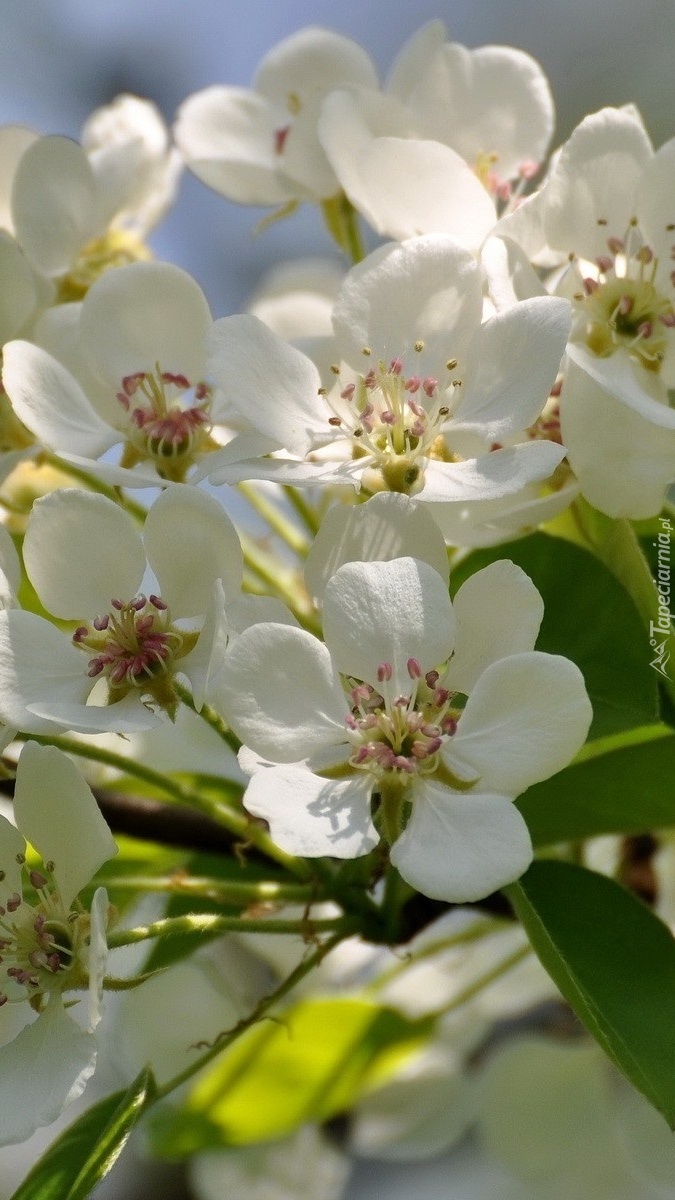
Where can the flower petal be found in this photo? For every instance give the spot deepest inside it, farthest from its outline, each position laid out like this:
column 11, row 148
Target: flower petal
column 280, row 693
column 271, row 383
column 145, row 314
column 388, row 612
column 37, row 663
column 461, row 847
column 81, row 551
column 45, row 1068
column 525, row 719
column 387, row 526
column 55, row 203
column 50, row 401
column 190, row 542
column 18, row 297
column 426, row 290
column 498, row 612
column 311, row 816
column 511, row 367
column 56, row 812
column 500, row 473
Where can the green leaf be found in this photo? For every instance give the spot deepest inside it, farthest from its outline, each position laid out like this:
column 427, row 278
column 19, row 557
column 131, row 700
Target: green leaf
column 614, row 961
column 89, row 1148
column 627, row 790
column 306, row 1065
column 589, row 618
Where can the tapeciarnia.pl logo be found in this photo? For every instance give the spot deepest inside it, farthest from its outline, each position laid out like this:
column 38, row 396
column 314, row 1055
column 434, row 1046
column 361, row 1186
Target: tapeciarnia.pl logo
column 660, row 631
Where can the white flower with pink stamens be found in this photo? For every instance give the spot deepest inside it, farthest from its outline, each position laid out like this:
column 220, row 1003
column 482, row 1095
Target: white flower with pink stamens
column 425, row 394
column 607, row 204
column 88, row 564
column 373, row 734
column 456, row 133
column 260, row 145
column 127, row 369
column 49, row 942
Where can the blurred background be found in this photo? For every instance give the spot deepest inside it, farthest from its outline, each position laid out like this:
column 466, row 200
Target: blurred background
column 59, row 59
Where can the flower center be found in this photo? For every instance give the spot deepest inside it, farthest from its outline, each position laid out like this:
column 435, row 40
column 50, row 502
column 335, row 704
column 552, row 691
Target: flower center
column 623, row 308
column 41, row 943
column 134, row 646
column 117, row 248
column 396, row 419
column 402, row 735
column 168, row 421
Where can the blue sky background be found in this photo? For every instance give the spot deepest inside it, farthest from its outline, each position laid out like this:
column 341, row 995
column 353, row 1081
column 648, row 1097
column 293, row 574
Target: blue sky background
column 61, row 58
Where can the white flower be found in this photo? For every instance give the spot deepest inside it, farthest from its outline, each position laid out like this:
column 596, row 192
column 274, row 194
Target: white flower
column 76, row 210
column 439, row 395
column 88, row 562
column 49, row 943
column 260, row 146
column 379, row 711
column 126, row 367
column 453, row 130
column 607, row 204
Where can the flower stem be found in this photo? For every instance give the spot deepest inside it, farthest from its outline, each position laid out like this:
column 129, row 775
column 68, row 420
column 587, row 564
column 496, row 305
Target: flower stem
column 210, row 716
column 226, row 1039
column 275, row 518
column 211, row 923
column 230, row 891
column 341, row 219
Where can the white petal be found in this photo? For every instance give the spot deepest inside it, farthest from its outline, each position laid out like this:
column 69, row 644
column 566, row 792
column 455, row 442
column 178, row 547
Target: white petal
column 499, row 473
column 58, row 332
column 525, row 719
column 388, row 612
column 227, row 138
column 14, row 141
column 620, row 376
column 37, row 662
column 252, row 610
column 428, row 289
column 271, row 383
column 511, row 367
column 489, row 522
column 280, row 693
column 388, row 526
column 624, row 462
column 10, row 564
column 408, row 187
column 18, row 297
column 98, row 953
column 312, row 816
column 57, row 813
column 45, row 1068
column 492, row 100
column 206, row 658
column 55, row 203
column 413, row 58
column 498, row 612
column 190, row 542
column 51, row 402
column 143, row 314
column 596, row 178
column 310, row 60
column 127, row 716
column 81, row 551
column 461, row 847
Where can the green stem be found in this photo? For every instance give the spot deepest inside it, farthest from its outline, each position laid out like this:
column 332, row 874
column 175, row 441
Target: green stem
column 307, row 514
column 268, row 1002
column 276, row 519
column 483, row 981
column 342, row 222
column 279, row 581
column 211, row 923
column 210, row 717
column 266, row 891
column 463, row 937
column 135, row 510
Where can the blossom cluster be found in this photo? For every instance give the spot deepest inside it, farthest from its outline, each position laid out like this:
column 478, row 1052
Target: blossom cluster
column 502, row 361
